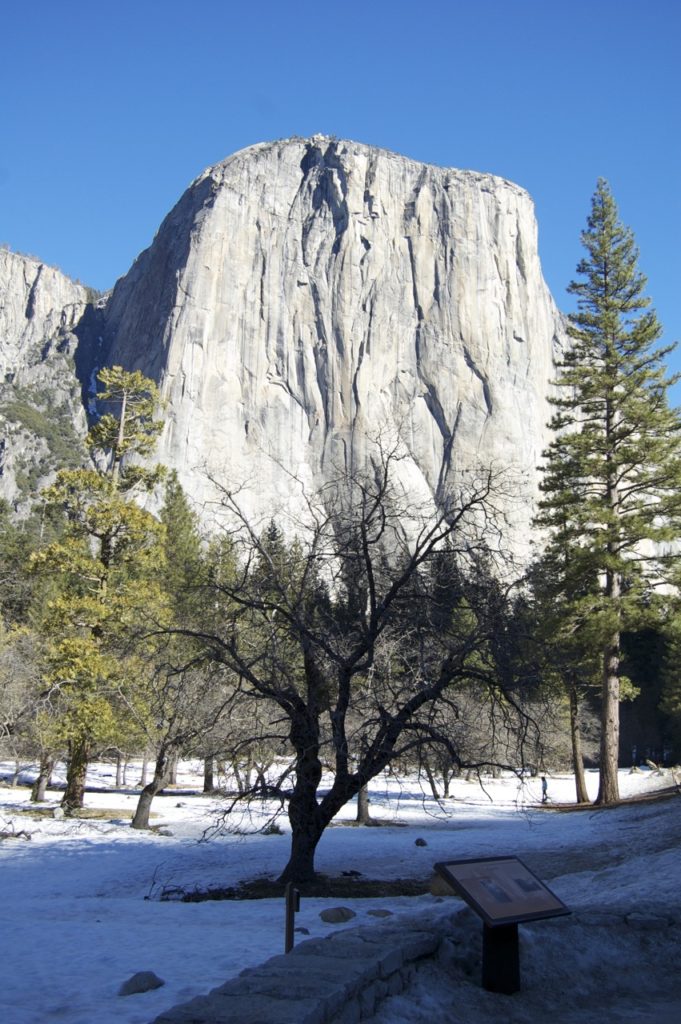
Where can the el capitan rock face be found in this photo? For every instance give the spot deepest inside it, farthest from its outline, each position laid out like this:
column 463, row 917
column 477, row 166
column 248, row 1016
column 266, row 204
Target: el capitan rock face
column 305, row 297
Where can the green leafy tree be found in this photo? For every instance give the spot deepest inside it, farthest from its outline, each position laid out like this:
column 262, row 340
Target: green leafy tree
column 27, row 729
column 181, row 703
column 105, row 569
column 612, row 474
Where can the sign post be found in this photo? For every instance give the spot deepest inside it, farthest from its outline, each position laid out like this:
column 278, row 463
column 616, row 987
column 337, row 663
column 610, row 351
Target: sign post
column 500, row 959
column 503, row 892
column 292, row 907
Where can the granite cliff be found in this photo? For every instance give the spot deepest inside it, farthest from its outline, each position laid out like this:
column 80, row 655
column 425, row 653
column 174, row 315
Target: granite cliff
column 42, row 418
column 305, row 297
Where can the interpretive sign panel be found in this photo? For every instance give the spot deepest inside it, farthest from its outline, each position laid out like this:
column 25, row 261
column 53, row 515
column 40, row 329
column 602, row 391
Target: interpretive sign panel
column 502, row 890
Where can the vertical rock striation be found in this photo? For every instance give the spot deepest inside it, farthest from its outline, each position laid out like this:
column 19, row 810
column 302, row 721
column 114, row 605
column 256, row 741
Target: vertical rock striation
column 304, row 299
column 306, row 296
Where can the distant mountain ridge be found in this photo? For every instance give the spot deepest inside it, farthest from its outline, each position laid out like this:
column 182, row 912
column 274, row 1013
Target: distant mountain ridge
column 302, row 298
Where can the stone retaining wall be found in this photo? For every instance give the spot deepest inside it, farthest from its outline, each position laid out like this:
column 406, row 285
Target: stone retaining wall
column 341, row 979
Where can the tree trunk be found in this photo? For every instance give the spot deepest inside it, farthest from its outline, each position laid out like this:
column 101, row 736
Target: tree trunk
column 608, row 787
column 431, row 780
column 145, row 770
column 305, row 836
column 608, row 790
column 76, row 772
column 363, row 815
column 160, row 778
column 208, row 775
column 304, row 813
column 577, row 756
column 172, row 771
column 309, row 818
column 119, row 770
column 260, row 777
column 240, row 787
column 39, row 788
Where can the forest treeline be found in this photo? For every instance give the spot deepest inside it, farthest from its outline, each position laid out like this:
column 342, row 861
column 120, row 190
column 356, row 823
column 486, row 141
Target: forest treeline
column 301, row 660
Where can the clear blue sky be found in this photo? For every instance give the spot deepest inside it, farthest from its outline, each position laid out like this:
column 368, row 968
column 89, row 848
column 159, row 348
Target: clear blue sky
column 109, row 109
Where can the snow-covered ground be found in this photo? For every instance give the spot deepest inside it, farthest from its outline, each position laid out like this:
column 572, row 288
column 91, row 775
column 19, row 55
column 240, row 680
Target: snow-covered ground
column 79, row 907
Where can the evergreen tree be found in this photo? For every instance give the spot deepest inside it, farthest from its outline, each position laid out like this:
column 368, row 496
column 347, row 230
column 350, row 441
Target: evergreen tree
column 184, row 563
column 104, row 568
column 563, row 645
column 184, row 703
column 670, row 702
column 18, row 585
column 613, row 470
column 130, row 430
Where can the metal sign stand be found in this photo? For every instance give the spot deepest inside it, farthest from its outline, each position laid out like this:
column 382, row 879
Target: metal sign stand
column 292, row 897
column 501, row 959
column 503, row 892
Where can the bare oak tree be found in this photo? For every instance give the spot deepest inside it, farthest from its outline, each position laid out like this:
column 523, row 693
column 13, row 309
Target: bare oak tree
column 356, row 632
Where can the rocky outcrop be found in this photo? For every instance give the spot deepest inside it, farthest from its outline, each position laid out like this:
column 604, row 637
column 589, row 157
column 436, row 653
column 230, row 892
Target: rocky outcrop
column 42, row 419
column 39, row 309
column 308, row 296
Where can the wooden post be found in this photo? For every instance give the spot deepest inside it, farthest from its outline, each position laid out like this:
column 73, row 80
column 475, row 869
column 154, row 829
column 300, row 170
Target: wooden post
column 500, row 958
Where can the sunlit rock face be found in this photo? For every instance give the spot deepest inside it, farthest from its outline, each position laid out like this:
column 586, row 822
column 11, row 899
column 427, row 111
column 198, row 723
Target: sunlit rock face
column 308, row 299
column 41, row 412
column 38, row 306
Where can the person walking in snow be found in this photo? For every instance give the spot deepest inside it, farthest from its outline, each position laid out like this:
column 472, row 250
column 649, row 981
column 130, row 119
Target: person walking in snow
column 544, row 789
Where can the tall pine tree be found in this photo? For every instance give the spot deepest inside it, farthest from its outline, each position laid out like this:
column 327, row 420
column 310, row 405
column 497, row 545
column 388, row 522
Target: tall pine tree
column 104, row 570
column 612, row 475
